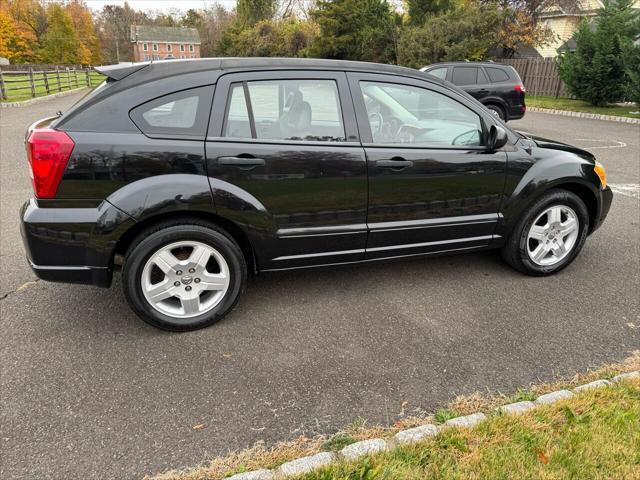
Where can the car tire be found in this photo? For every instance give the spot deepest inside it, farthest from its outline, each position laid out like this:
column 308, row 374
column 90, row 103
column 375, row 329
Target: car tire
column 498, row 111
column 537, row 231
column 199, row 289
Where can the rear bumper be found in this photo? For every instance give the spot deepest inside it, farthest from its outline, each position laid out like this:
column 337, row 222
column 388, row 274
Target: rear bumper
column 73, row 245
column 516, row 112
column 98, row 276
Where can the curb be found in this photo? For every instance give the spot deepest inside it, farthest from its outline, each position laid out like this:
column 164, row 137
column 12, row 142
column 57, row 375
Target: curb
column 31, row 101
column 357, row 450
column 594, row 116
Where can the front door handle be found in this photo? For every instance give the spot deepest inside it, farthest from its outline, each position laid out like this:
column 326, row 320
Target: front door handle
column 241, row 161
column 394, row 163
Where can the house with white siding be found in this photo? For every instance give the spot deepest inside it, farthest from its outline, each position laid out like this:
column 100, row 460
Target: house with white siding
column 564, row 23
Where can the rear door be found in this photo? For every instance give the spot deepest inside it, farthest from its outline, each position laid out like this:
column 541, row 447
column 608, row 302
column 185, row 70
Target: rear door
column 433, row 185
column 286, row 142
column 472, row 80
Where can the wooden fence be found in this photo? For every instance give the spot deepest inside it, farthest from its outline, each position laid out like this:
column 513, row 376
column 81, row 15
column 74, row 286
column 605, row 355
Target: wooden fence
column 31, row 83
column 539, row 75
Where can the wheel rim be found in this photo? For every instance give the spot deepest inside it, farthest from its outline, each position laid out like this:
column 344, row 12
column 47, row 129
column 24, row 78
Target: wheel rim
column 185, row 279
column 553, row 235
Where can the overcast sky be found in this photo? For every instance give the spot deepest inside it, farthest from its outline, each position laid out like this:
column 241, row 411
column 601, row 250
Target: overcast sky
column 161, row 4
column 167, row 5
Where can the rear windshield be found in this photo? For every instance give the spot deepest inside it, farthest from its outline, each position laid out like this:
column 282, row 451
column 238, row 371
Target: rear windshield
column 85, row 98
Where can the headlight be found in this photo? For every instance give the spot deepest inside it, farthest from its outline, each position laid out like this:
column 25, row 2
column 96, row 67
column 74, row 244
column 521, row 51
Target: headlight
column 602, row 174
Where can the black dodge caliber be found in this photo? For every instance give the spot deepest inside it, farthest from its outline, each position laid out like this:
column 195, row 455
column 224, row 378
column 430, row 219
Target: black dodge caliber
column 189, row 175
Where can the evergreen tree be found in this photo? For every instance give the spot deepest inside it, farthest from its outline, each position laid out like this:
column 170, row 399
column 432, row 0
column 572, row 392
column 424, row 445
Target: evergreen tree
column 595, row 72
column 355, row 30
column 419, row 10
column 250, row 12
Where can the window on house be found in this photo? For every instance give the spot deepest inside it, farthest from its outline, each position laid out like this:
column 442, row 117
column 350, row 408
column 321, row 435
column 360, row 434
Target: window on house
column 155, row 47
column 191, row 48
column 168, row 47
column 145, row 46
column 182, row 48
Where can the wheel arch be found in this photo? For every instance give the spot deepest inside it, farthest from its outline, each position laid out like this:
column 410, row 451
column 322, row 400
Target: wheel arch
column 498, row 102
column 139, row 228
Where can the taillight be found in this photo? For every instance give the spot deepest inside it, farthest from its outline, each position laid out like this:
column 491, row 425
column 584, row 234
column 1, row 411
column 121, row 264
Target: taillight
column 519, row 88
column 48, row 152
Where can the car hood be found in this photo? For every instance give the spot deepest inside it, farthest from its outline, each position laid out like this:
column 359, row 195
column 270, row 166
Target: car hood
column 556, row 145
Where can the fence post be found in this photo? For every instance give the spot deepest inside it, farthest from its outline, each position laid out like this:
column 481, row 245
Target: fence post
column 33, row 87
column 46, row 82
column 68, row 77
column 3, row 92
column 58, row 77
column 75, row 75
column 88, row 78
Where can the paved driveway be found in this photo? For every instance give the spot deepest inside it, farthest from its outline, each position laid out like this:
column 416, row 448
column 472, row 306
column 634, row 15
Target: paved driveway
column 89, row 391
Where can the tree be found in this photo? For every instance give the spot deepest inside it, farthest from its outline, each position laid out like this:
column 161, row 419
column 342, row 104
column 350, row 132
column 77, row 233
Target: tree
column 250, row 12
column 419, row 10
column 89, row 51
column 465, row 33
column 595, row 72
column 15, row 42
column 355, row 30
column 60, row 43
column 113, row 24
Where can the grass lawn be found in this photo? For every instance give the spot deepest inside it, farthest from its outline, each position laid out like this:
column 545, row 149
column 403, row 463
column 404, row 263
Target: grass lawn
column 18, row 87
column 581, row 106
column 595, row 434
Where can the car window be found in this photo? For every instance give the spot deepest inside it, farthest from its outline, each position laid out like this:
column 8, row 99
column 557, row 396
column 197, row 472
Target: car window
column 439, row 72
column 237, row 120
column 300, row 110
column 497, row 74
column 182, row 113
column 465, row 75
column 482, row 78
column 412, row 115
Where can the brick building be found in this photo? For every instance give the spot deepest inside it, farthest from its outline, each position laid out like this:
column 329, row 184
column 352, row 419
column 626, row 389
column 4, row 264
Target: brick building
column 163, row 43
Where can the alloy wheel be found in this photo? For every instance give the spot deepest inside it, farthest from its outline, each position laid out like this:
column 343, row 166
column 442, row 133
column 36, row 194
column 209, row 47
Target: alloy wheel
column 185, row 279
column 553, row 235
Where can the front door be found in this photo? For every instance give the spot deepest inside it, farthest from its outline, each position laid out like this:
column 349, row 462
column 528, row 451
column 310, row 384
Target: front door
column 286, row 144
column 433, row 185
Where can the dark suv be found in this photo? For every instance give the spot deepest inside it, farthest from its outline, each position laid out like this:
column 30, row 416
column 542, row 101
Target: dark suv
column 191, row 175
column 498, row 87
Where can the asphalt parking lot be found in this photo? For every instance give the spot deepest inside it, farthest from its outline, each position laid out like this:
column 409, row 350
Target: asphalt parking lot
column 89, row 391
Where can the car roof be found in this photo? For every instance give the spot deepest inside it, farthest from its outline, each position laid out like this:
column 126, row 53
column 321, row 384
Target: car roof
column 164, row 68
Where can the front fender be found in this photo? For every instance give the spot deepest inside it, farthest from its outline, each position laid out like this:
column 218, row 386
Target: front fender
column 529, row 178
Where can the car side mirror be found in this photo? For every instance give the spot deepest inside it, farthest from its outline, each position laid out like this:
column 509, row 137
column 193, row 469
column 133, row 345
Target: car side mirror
column 497, row 139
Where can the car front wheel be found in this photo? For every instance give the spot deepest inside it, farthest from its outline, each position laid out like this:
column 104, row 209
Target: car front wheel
column 183, row 277
column 550, row 234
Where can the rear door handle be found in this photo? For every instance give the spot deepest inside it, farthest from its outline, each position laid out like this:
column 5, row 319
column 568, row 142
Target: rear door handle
column 241, row 161
column 399, row 163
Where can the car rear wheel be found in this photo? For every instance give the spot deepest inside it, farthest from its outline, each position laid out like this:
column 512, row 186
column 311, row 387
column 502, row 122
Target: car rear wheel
column 550, row 234
column 183, row 277
column 497, row 111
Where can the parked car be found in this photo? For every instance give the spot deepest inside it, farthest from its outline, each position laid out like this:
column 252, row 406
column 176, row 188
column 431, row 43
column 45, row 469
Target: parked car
column 188, row 176
column 498, row 87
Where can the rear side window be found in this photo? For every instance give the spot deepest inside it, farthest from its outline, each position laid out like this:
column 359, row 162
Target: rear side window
column 497, row 75
column 465, row 75
column 180, row 114
column 297, row 110
column 439, row 72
